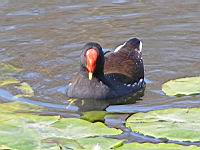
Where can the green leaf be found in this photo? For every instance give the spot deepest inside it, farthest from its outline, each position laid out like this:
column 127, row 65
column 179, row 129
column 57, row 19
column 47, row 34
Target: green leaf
column 93, row 116
column 3, row 147
column 182, row 86
column 6, row 69
column 6, row 79
column 20, row 129
column 16, row 107
column 100, row 143
column 25, row 89
column 63, row 143
column 84, row 128
column 162, row 146
column 18, row 138
column 173, row 124
column 85, row 143
column 8, row 82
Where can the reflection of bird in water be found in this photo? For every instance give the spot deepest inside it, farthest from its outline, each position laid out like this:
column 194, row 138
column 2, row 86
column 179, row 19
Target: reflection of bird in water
column 119, row 74
column 92, row 104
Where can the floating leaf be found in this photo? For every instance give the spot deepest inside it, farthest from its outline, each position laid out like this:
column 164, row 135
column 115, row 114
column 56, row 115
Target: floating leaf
column 25, row 89
column 63, row 143
column 7, row 69
column 182, row 86
column 3, row 147
column 22, row 130
column 162, row 146
column 15, row 108
column 173, row 124
column 21, row 138
column 8, row 82
column 85, row 143
column 101, row 142
column 6, row 79
column 84, row 128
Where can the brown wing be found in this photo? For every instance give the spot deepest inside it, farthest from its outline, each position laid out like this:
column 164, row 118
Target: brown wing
column 126, row 64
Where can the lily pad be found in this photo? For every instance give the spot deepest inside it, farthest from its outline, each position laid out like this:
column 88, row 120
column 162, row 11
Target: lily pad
column 16, row 108
column 86, row 143
column 20, row 129
column 100, row 143
column 5, row 74
column 182, row 86
column 8, row 81
column 26, row 89
column 162, row 146
column 71, row 126
column 6, row 69
column 3, row 147
column 62, row 142
column 173, row 124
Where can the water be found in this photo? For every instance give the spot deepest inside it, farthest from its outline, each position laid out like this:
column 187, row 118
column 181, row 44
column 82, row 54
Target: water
column 45, row 39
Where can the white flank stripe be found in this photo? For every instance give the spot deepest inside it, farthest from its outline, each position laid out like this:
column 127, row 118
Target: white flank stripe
column 140, row 47
column 119, row 47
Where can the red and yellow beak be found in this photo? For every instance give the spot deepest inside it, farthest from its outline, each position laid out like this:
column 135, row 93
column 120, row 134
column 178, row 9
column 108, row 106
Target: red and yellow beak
column 91, row 59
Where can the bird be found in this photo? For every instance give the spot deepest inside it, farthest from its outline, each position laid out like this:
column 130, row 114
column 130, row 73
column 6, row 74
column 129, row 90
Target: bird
column 117, row 74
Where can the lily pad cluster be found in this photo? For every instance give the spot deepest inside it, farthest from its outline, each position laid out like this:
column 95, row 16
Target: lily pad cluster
column 171, row 124
column 20, row 129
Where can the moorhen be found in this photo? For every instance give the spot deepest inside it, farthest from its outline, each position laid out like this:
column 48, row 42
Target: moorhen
column 120, row 73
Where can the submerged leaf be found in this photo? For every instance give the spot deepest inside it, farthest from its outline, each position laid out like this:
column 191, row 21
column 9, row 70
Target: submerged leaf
column 93, row 116
column 182, row 86
column 174, row 124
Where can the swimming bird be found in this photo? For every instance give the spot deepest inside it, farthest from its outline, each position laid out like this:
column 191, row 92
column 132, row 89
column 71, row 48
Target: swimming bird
column 120, row 73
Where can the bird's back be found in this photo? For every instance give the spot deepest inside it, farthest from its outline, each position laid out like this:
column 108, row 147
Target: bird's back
column 125, row 65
